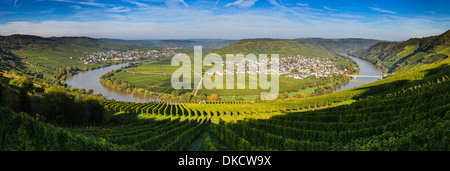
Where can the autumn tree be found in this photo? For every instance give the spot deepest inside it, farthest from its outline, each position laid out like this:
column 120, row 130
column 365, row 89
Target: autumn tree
column 214, row 97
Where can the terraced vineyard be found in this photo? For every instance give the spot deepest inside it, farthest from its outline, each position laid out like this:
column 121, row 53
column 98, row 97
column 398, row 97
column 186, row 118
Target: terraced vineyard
column 408, row 111
column 150, row 134
column 416, row 118
column 166, row 108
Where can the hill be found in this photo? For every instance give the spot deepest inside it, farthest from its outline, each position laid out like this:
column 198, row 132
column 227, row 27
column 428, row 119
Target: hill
column 402, row 56
column 324, row 48
column 42, row 56
column 179, row 43
column 276, row 46
column 345, row 45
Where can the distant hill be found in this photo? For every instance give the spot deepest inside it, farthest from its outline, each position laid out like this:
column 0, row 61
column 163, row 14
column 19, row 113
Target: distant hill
column 325, row 48
column 17, row 41
column 413, row 53
column 81, row 41
column 276, row 46
column 145, row 43
column 335, row 45
column 182, row 43
column 345, row 45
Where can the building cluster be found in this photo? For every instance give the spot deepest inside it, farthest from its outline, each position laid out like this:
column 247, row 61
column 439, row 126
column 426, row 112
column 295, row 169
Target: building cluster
column 300, row 67
column 127, row 55
column 297, row 67
column 244, row 66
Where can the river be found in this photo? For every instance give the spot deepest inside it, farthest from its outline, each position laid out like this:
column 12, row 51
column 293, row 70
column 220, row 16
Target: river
column 91, row 80
column 365, row 68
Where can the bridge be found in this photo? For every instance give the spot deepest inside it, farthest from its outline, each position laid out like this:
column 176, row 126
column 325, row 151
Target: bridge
column 372, row 76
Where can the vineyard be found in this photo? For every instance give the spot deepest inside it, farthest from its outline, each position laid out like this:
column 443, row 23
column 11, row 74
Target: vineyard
column 408, row 111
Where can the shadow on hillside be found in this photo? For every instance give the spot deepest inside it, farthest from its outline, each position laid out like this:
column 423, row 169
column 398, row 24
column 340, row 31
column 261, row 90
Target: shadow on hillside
column 125, row 118
column 429, row 75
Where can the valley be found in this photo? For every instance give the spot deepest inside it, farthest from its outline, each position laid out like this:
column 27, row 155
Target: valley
column 61, row 106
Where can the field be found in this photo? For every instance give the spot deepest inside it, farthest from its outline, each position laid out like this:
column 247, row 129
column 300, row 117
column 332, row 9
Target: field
column 156, row 77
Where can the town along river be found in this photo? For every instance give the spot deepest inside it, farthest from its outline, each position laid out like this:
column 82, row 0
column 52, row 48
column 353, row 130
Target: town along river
column 91, row 80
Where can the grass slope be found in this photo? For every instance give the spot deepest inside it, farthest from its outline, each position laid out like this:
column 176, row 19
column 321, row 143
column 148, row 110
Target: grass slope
column 413, row 53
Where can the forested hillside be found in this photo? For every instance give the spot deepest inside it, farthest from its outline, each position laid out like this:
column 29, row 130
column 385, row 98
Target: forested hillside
column 413, row 53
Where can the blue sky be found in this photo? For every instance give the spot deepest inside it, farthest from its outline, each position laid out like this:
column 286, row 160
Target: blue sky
column 228, row 19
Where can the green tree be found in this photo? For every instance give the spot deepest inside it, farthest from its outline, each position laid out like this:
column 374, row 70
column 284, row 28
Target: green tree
column 320, row 90
column 60, row 107
column 95, row 108
column 23, row 82
column 176, row 93
column 186, row 97
column 90, row 92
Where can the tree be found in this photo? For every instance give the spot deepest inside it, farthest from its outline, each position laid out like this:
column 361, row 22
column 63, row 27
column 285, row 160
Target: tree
column 257, row 97
column 96, row 110
column 176, row 93
column 320, row 90
column 165, row 96
column 1, row 92
column 303, row 95
column 60, row 107
column 202, row 97
column 186, row 97
column 90, row 92
column 23, row 82
column 214, row 97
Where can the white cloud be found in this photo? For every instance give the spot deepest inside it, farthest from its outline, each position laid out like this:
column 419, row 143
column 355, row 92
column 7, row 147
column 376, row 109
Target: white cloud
column 137, row 3
column 14, row 3
column 47, row 11
column 184, row 3
column 90, row 3
column 231, row 26
column 242, row 3
column 382, row 10
column 330, row 9
column 75, row 7
column 169, row 21
column 119, row 9
column 274, row 3
column 302, row 4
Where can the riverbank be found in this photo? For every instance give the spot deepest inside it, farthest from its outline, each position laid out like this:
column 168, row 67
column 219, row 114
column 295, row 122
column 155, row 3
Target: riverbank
column 91, row 80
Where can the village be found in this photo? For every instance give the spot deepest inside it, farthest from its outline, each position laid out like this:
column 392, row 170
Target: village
column 300, row 67
column 297, row 67
column 128, row 55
